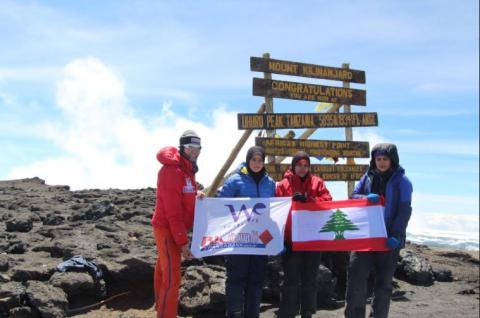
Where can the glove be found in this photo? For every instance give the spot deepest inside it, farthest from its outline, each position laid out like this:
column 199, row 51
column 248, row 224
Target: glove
column 373, row 197
column 392, row 242
column 299, row 197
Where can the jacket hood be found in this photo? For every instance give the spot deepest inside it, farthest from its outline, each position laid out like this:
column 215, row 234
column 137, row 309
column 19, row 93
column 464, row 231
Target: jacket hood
column 169, row 156
column 290, row 174
column 241, row 169
column 386, row 149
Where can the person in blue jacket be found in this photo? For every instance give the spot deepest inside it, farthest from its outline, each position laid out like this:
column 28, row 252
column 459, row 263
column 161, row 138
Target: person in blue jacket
column 385, row 177
column 246, row 273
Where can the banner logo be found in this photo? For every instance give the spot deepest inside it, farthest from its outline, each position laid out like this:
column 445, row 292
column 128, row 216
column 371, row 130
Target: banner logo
column 243, row 209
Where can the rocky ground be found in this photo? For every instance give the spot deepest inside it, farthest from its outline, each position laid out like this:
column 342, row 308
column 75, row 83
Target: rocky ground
column 41, row 226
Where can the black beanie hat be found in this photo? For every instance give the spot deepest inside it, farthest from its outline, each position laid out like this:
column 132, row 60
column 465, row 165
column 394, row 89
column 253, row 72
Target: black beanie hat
column 255, row 150
column 299, row 156
column 190, row 138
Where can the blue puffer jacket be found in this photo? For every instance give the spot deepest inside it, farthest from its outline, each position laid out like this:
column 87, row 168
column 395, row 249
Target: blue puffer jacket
column 241, row 184
column 398, row 201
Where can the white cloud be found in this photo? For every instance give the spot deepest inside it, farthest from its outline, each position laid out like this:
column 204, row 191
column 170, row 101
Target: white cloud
column 453, row 216
column 106, row 145
column 459, row 225
column 448, row 204
column 369, row 134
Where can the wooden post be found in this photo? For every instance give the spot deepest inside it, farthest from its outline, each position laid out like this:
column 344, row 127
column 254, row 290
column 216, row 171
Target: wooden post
column 348, row 133
column 269, row 108
column 212, row 189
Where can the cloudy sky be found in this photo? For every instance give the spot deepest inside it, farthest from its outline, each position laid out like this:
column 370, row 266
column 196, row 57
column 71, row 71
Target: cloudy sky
column 90, row 90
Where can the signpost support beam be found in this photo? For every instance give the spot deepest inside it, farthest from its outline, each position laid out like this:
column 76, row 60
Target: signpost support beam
column 269, row 107
column 348, row 133
column 233, row 154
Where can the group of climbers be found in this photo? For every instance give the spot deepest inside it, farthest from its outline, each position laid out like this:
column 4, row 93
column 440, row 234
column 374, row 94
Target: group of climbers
column 174, row 214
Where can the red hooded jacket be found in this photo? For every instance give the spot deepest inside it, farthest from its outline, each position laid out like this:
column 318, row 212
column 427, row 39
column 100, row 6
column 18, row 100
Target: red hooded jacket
column 313, row 187
column 176, row 192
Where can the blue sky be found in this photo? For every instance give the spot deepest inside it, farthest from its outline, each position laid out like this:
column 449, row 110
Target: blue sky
column 89, row 90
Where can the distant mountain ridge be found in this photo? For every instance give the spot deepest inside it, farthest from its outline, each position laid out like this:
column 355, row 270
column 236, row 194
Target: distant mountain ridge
column 444, row 241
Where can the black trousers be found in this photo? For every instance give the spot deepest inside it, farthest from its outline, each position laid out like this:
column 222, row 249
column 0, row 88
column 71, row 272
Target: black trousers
column 383, row 265
column 244, row 285
column 299, row 288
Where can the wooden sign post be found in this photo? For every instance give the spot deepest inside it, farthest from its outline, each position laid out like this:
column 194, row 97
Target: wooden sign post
column 268, row 103
column 311, row 92
column 340, row 96
column 348, row 132
column 324, row 148
column 306, row 70
column 326, row 172
column 266, row 119
column 305, row 120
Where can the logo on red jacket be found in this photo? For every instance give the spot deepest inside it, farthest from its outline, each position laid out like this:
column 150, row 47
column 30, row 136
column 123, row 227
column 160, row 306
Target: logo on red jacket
column 188, row 188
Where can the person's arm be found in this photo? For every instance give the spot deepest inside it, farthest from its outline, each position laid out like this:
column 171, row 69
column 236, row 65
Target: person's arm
column 171, row 184
column 404, row 210
column 358, row 192
column 280, row 190
column 322, row 192
column 229, row 188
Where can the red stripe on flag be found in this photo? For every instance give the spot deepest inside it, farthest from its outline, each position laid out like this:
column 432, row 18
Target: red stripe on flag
column 358, row 245
column 330, row 205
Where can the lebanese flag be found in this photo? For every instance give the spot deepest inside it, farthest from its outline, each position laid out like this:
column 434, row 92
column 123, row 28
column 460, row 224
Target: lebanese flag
column 349, row 225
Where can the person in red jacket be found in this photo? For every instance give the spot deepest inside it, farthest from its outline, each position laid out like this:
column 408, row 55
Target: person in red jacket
column 299, row 288
column 173, row 218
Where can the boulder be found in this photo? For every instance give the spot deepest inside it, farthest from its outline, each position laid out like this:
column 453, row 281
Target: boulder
column 203, row 289
column 274, row 277
column 50, row 301
column 33, row 271
column 52, row 219
column 95, row 212
column 414, row 269
column 443, row 275
column 23, row 312
column 12, row 295
column 21, row 223
column 3, row 263
column 128, row 270
column 17, row 247
column 76, row 284
column 325, row 288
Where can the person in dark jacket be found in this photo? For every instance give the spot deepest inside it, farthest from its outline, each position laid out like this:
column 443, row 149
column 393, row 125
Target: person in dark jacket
column 299, row 288
column 173, row 218
column 246, row 273
column 386, row 178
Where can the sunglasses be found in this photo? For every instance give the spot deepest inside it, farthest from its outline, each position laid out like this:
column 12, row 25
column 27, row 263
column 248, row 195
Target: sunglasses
column 193, row 146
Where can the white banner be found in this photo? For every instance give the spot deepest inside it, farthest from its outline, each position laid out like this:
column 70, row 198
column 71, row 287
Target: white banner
column 252, row 226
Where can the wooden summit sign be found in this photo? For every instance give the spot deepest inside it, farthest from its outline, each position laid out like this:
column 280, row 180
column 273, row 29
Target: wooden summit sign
column 326, row 172
column 306, row 70
column 311, row 92
column 325, row 148
column 305, row 120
